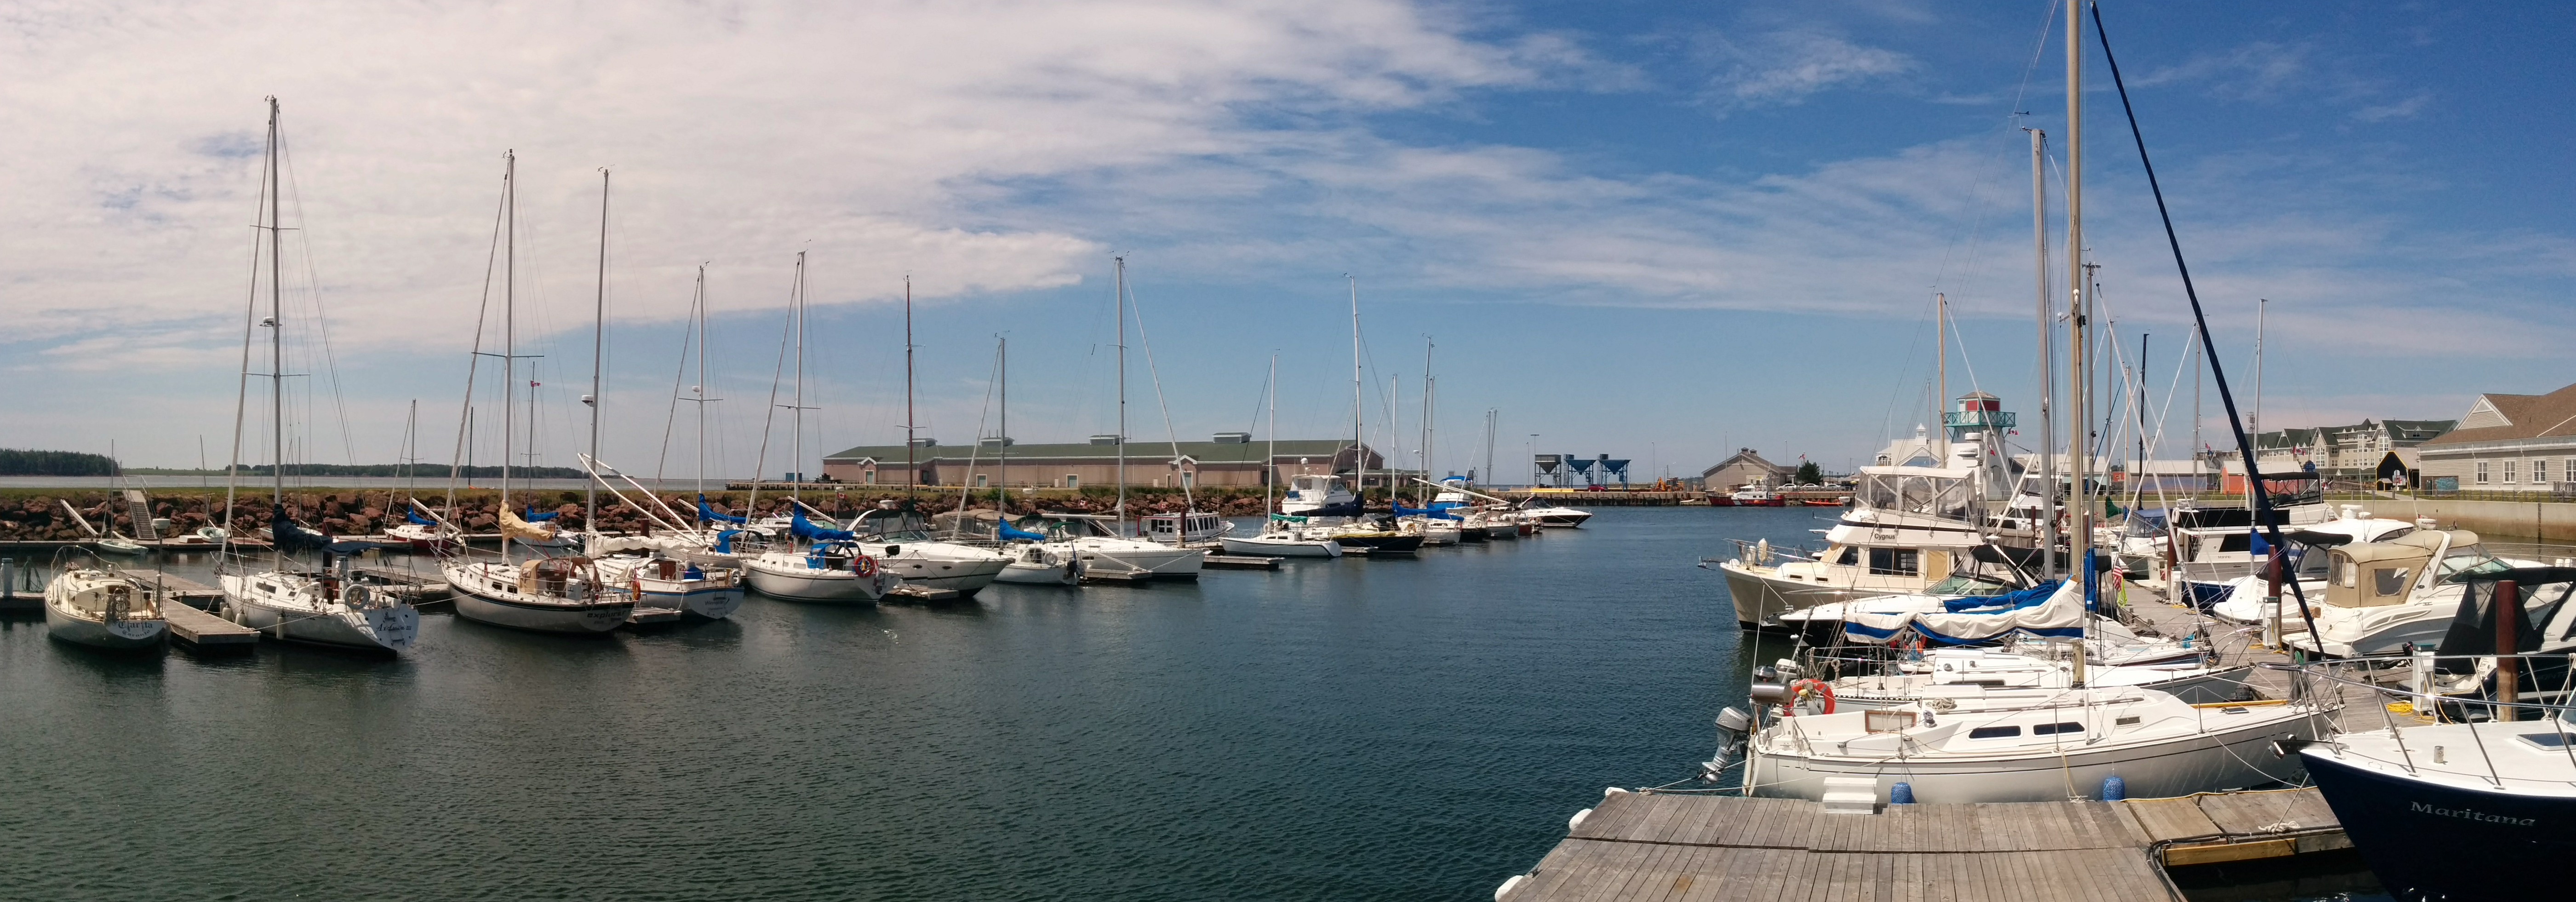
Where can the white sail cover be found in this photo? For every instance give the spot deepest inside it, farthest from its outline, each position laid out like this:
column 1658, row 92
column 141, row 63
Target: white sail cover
column 2054, row 610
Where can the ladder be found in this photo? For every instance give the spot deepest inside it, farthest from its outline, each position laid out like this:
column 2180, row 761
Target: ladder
column 140, row 508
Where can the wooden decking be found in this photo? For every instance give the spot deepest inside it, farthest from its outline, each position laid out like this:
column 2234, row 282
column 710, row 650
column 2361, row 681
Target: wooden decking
column 1682, row 848
column 207, row 632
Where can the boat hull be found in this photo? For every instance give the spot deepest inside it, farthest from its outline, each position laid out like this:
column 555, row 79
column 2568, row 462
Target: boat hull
column 1760, row 600
column 962, row 577
column 121, row 635
column 388, row 628
column 2215, row 760
column 484, row 599
column 1163, row 561
column 1257, row 546
column 816, row 586
column 1380, row 542
column 2428, row 840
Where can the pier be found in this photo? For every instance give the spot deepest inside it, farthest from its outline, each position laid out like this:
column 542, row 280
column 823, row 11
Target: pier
column 1674, row 847
column 206, row 632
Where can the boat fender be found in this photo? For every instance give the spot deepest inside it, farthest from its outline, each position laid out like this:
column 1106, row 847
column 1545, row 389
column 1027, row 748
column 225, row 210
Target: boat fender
column 1903, row 793
column 1577, row 819
column 2115, row 789
column 1608, row 791
column 864, row 566
column 1508, row 885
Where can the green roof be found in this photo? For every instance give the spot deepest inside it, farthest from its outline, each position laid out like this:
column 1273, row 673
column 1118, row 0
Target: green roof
column 1139, row 450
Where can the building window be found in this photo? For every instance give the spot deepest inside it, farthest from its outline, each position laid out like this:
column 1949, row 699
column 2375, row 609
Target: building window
column 872, row 477
column 2482, row 472
column 982, row 481
column 1072, row 481
column 2508, row 473
column 2540, row 471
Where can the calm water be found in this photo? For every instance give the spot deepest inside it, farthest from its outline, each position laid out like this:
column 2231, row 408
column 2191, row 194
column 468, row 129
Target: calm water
column 1337, row 730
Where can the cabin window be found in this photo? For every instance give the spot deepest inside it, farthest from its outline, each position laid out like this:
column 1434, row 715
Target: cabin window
column 1850, row 557
column 1887, row 721
column 1895, row 562
column 2050, row 729
column 1994, row 732
column 2236, row 541
column 2129, row 721
column 2482, row 472
column 2389, row 580
column 2342, row 572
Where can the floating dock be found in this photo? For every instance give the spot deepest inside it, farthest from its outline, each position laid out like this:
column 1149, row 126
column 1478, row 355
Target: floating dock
column 207, row 632
column 1240, row 562
column 1676, row 847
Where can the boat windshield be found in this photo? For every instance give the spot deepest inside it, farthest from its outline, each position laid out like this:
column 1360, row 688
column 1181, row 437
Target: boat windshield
column 1969, row 584
column 1915, row 493
column 903, row 535
column 2463, row 563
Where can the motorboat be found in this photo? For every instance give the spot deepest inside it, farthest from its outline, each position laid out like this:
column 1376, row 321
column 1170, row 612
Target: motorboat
column 1913, row 525
column 1311, row 492
column 1754, row 496
column 2455, row 810
column 2210, row 546
column 1282, row 539
column 1556, row 517
column 117, row 544
column 903, row 547
column 2065, row 745
column 1096, row 537
column 829, row 572
column 101, row 607
column 1042, row 564
column 696, row 591
column 547, row 595
column 2380, row 598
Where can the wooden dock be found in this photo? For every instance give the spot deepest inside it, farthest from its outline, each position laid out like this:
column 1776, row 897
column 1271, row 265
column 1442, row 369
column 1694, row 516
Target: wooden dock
column 1682, row 848
column 207, row 632
column 1241, row 562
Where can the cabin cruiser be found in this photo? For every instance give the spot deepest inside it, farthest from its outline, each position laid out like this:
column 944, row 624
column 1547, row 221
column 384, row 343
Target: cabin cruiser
column 1283, row 538
column 101, row 607
column 905, row 548
column 1193, row 528
column 2383, row 598
column 1311, row 492
column 2210, row 546
column 1552, row 516
column 1912, row 526
column 1096, row 537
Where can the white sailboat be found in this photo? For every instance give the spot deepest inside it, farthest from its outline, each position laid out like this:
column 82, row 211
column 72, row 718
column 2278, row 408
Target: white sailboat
column 1278, row 537
column 291, row 603
column 546, row 594
column 101, row 607
column 833, row 567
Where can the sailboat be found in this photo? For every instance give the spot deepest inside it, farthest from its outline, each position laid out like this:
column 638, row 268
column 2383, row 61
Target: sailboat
column 657, row 581
column 289, row 602
column 420, row 528
column 1278, row 537
column 1351, row 527
column 102, row 607
column 831, row 567
column 546, row 594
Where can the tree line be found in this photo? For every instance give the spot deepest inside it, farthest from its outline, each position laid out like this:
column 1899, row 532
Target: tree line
column 16, row 462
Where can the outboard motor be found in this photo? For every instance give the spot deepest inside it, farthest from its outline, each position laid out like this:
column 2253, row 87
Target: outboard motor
column 1734, row 728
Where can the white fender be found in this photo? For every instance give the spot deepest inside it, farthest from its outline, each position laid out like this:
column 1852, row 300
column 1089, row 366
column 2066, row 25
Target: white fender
column 1506, row 888
column 1577, row 819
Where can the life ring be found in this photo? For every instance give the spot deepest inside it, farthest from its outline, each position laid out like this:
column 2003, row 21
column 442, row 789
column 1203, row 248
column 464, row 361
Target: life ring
column 864, row 566
column 1800, row 690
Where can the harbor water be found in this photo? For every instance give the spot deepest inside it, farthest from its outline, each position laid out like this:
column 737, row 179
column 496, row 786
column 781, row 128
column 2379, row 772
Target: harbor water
column 1339, row 729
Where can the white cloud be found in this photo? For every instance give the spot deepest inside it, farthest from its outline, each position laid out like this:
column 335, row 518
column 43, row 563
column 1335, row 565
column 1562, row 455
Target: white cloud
column 1785, row 67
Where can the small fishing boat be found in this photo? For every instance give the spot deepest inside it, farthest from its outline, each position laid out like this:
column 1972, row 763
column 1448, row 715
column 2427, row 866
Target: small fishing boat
column 100, row 607
column 1282, row 539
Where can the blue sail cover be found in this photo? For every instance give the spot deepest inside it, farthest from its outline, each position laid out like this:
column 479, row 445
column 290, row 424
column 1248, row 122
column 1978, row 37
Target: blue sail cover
column 1011, row 532
column 710, row 515
column 533, row 517
column 724, row 542
column 805, row 529
column 418, row 520
column 290, row 537
column 1435, row 512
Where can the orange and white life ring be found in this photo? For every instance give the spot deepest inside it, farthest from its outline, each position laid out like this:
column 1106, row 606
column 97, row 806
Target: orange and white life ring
column 1803, row 689
column 864, row 566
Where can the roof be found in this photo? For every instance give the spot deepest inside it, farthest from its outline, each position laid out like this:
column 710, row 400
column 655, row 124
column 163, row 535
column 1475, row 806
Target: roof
column 1746, row 456
column 2413, row 431
column 1144, row 451
column 2504, row 418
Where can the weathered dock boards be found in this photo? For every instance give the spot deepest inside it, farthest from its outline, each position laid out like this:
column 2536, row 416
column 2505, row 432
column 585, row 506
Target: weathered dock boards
column 1693, row 847
column 206, row 631
column 1240, row 562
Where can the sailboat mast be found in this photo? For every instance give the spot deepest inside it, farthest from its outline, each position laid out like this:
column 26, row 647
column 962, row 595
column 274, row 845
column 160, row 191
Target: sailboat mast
column 2079, row 530
column 1423, row 492
column 598, row 345
column 2047, row 358
column 276, row 343
column 796, row 487
column 1270, row 469
column 698, row 392
column 1120, row 308
column 1002, row 492
column 1941, row 347
column 1359, row 391
column 911, row 444
column 509, row 324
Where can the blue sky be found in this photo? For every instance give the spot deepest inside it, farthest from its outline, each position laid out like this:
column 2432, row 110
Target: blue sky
column 1657, row 231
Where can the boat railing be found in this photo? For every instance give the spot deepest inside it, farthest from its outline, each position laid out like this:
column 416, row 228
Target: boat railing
column 1761, row 553
column 2415, row 686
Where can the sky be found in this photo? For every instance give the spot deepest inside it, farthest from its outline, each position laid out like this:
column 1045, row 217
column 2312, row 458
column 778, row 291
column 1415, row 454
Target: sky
column 1656, row 231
